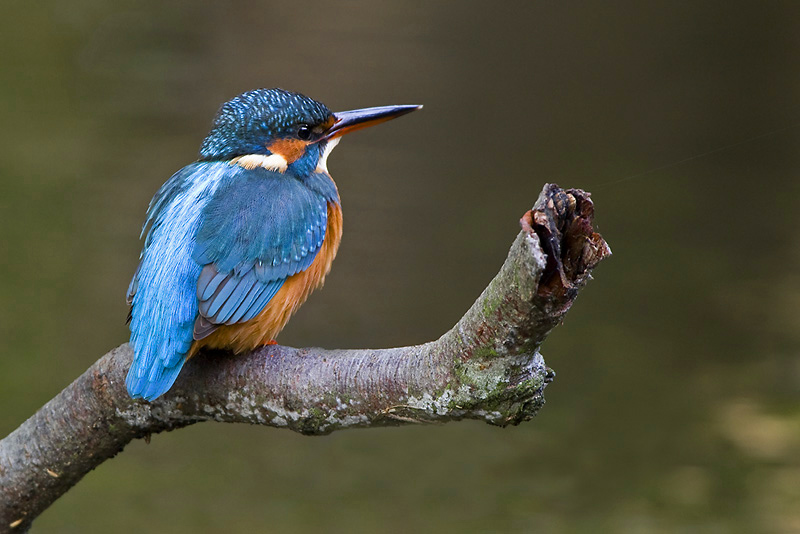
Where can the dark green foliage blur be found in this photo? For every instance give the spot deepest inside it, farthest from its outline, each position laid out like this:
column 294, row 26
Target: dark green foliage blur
column 676, row 405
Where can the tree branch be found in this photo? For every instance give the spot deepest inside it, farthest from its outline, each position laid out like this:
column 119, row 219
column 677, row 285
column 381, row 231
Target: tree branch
column 486, row 367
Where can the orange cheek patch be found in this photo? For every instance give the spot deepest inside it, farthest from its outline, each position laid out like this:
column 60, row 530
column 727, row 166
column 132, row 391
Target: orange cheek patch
column 290, row 149
column 325, row 126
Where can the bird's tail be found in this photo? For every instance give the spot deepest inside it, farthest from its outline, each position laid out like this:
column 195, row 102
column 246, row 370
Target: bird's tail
column 150, row 382
column 164, row 310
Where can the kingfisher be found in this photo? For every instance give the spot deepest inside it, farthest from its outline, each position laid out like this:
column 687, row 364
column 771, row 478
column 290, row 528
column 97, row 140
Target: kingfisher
column 235, row 242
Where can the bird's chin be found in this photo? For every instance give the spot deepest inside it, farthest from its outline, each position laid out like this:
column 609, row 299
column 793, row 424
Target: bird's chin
column 322, row 165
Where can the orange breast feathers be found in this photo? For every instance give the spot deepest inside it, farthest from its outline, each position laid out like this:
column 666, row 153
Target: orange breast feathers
column 294, row 292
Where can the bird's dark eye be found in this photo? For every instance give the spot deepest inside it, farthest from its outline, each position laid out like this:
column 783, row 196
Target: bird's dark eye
column 304, row 132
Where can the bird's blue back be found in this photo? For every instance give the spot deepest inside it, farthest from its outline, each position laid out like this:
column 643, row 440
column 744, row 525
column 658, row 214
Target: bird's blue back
column 249, row 228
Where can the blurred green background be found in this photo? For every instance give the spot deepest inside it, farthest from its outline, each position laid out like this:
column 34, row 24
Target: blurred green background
column 676, row 405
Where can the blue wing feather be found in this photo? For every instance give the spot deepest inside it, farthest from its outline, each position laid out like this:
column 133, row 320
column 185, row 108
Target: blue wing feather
column 279, row 225
column 262, row 299
column 208, row 282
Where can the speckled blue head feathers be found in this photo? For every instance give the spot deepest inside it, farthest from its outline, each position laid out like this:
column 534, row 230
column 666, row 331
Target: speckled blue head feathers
column 247, row 123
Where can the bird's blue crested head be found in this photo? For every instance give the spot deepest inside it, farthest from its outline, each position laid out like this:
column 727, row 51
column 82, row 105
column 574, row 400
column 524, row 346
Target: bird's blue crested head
column 284, row 131
column 265, row 122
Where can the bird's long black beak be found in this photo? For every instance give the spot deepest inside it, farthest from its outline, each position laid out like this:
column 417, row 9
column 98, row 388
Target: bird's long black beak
column 350, row 121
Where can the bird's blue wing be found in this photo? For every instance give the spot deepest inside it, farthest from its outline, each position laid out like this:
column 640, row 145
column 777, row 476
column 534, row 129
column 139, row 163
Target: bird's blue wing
column 162, row 292
column 220, row 241
column 255, row 233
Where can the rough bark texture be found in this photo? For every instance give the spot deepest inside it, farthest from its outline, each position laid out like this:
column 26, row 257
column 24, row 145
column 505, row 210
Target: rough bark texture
column 486, row 367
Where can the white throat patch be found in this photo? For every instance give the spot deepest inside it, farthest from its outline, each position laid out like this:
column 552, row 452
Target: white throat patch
column 322, row 164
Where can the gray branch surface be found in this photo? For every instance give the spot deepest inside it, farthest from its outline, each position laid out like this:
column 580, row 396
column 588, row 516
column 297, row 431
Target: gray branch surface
column 487, row 367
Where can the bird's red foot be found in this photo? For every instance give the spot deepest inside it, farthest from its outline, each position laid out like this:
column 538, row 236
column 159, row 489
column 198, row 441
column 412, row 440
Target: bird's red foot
column 271, row 342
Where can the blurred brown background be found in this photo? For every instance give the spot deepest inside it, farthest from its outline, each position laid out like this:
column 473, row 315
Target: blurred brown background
column 675, row 407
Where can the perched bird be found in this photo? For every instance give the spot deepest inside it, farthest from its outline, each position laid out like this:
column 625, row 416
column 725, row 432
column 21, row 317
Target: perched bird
column 236, row 241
